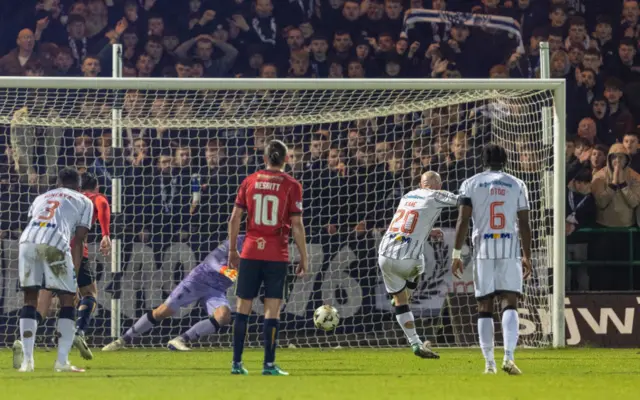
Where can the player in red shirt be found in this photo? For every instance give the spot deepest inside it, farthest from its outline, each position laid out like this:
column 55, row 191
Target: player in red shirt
column 86, row 279
column 273, row 202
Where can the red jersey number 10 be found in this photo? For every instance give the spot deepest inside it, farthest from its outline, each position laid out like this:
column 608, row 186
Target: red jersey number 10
column 266, row 209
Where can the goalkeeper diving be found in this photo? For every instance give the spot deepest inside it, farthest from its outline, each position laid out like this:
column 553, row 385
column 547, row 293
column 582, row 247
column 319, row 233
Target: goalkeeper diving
column 400, row 255
column 207, row 284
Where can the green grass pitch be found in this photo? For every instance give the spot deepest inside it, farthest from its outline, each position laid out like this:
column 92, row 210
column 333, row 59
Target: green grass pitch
column 329, row 374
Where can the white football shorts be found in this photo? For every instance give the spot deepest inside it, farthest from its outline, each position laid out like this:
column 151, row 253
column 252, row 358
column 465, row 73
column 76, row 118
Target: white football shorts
column 495, row 276
column 46, row 267
column 396, row 273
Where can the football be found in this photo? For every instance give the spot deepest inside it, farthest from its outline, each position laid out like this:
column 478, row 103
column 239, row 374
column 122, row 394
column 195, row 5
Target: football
column 326, row 318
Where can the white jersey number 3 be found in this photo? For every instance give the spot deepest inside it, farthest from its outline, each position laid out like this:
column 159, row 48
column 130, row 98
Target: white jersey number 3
column 49, row 212
column 264, row 204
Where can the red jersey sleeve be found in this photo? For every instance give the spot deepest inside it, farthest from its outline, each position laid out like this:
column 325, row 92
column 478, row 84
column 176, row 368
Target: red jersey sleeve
column 104, row 215
column 295, row 199
column 241, row 199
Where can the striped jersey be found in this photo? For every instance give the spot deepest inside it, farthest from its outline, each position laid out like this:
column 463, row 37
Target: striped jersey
column 412, row 223
column 496, row 197
column 54, row 217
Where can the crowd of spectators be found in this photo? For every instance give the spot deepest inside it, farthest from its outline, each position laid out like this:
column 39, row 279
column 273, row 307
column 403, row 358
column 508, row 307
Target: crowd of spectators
column 353, row 173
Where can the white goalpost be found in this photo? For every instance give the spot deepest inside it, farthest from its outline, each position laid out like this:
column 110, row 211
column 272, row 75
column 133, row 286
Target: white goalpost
column 355, row 144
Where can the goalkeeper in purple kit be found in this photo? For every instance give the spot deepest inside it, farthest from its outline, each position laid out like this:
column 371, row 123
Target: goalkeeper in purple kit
column 206, row 284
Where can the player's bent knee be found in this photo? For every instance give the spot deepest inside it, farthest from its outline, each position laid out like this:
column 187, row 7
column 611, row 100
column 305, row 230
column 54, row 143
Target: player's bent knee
column 222, row 315
column 485, row 305
column 30, row 297
column 401, row 298
column 509, row 301
column 272, row 308
column 67, row 300
column 89, row 290
column 510, row 304
column 162, row 312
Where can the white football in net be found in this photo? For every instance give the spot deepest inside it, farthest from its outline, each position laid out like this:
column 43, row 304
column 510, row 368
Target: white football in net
column 326, row 318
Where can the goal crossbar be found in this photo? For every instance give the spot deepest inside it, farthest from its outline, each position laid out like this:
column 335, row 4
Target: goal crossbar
column 276, row 84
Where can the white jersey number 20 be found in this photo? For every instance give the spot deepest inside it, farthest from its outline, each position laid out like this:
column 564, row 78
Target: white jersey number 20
column 404, row 221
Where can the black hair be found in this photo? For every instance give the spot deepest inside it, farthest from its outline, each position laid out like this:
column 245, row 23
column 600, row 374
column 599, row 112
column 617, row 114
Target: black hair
column 556, row 32
column 583, row 175
column 69, row 178
column 626, row 42
column 580, row 141
column 73, row 18
column 540, row 32
column 355, row 60
column 577, row 20
column 276, row 152
column 603, row 19
column 614, row 83
column 165, row 152
column 154, row 38
column 558, row 6
column 494, row 156
column 90, row 56
column 130, row 31
column 319, row 36
column 602, row 148
column 89, row 181
column 187, row 62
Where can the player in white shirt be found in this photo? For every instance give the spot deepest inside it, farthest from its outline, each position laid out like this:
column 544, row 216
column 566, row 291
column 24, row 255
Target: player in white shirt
column 498, row 205
column 400, row 255
column 46, row 261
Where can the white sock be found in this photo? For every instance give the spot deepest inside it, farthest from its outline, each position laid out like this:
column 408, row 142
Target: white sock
column 411, row 334
column 28, row 329
column 485, row 331
column 67, row 331
column 510, row 326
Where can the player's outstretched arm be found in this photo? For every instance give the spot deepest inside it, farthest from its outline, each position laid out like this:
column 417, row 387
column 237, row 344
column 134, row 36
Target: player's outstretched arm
column 76, row 252
column 299, row 236
column 462, row 228
column 104, row 217
column 525, row 238
column 446, row 199
column 234, row 230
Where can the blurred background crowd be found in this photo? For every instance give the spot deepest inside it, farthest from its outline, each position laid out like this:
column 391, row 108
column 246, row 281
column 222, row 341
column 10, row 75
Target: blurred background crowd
column 353, row 173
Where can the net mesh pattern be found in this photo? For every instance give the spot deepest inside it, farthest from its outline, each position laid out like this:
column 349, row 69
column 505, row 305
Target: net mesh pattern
column 354, row 151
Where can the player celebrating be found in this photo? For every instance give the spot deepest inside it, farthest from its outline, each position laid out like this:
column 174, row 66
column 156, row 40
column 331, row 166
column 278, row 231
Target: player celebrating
column 498, row 205
column 47, row 261
column 87, row 287
column 400, row 255
column 206, row 284
column 273, row 201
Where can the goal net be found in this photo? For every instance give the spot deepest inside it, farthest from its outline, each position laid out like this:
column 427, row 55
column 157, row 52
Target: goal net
column 356, row 147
